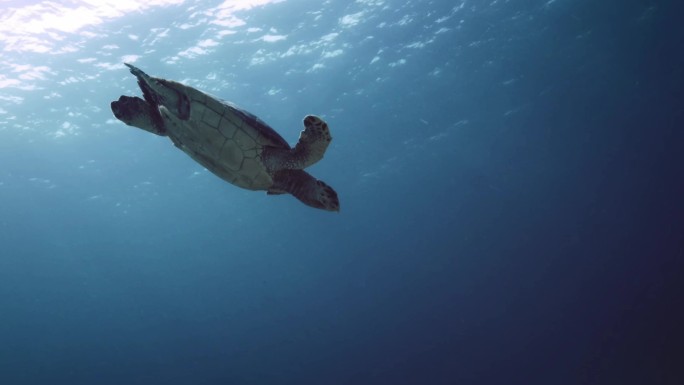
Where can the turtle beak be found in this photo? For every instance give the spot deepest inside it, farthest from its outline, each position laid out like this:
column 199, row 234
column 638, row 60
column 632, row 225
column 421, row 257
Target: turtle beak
column 160, row 92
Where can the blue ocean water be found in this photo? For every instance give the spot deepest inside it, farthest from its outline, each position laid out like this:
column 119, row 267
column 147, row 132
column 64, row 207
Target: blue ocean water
column 509, row 175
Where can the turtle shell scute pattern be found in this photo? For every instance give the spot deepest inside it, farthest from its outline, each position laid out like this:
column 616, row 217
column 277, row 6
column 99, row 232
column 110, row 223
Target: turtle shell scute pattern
column 229, row 141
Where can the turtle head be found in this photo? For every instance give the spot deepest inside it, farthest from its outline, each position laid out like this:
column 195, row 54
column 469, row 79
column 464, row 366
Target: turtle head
column 324, row 198
column 160, row 92
column 309, row 190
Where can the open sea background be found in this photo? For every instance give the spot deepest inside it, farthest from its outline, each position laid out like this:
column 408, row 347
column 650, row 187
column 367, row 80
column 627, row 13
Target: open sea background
column 510, row 176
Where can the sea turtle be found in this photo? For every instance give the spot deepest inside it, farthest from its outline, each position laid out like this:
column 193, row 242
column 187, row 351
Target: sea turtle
column 229, row 141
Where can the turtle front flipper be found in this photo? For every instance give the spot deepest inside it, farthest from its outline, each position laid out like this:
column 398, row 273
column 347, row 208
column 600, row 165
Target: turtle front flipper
column 311, row 191
column 313, row 141
column 138, row 113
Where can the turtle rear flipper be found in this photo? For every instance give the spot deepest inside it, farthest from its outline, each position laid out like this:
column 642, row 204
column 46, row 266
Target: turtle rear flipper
column 313, row 141
column 303, row 186
column 137, row 112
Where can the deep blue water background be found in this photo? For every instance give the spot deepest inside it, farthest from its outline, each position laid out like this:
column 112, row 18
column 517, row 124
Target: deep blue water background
column 511, row 204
